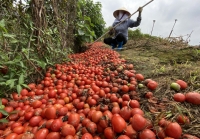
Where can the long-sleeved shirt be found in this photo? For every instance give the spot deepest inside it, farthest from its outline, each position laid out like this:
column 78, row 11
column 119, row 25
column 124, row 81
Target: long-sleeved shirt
column 123, row 27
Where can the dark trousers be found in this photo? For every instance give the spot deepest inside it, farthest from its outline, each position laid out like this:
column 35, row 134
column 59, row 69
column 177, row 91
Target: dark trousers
column 119, row 38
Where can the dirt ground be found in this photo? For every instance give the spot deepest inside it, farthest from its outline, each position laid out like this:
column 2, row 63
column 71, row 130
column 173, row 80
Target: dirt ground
column 165, row 63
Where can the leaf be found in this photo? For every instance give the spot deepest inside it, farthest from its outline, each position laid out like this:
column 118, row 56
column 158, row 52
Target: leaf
column 25, row 85
column 9, row 35
column 4, row 112
column 3, row 120
column 12, row 84
column 41, row 64
column 80, row 32
column 2, row 25
column 25, row 25
column 21, row 79
column 14, row 41
column 55, row 30
column 22, row 64
column 11, row 81
column 14, row 112
column 19, row 88
column 0, row 102
column 3, row 83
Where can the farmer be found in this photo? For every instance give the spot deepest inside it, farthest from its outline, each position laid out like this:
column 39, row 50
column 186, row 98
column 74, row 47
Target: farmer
column 121, row 31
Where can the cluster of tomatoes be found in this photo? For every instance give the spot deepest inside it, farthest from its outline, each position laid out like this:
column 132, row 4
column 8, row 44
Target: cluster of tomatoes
column 94, row 96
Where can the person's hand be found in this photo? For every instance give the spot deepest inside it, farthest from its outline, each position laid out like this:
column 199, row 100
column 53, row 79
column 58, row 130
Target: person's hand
column 140, row 9
column 112, row 31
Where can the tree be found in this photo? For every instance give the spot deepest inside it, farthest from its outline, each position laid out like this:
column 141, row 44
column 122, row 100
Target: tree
column 89, row 22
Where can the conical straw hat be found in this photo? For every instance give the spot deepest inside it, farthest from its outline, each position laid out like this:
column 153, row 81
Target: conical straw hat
column 115, row 13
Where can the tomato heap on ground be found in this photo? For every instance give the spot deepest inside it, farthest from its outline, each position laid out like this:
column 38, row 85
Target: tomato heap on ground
column 94, row 96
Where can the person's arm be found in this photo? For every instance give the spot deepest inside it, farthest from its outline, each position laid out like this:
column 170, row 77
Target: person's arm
column 136, row 23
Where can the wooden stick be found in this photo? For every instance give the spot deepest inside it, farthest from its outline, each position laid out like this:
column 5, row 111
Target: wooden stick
column 120, row 22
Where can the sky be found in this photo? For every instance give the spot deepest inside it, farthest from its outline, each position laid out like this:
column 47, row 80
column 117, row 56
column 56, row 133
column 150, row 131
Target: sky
column 164, row 12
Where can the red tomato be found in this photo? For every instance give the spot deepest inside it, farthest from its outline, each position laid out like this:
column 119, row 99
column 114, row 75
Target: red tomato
column 138, row 122
column 27, row 135
column 182, row 84
column 52, row 93
column 160, row 132
column 24, row 92
column 4, row 101
column 32, row 86
column 125, row 88
column 16, row 96
column 125, row 97
column 91, row 127
column 182, row 119
column 109, row 133
column 70, row 137
column 41, row 134
column 87, row 136
column 125, row 113
column 53, row 135
column 152, row 85
column 104, row 122
column 48, row 123
column 193, row 97
column 134, row 104
column 62, row 111
column 147, row 133
column 13, row 117
column 8, row 109
column 149, row 95
column 18, row 130
column 15, row 124
column 36, row 104
column 139, row 77
column 56, row 125
column 123, row 137
column 108, row 114
column 96, row 116
column 35, row 120
column 173, row 130
column 188, row 136
column 118, row 123
column 68, row 129
column 179, row 97
column 115, row 110
column 137, row 111
column 74, row 119
column 28, row 115
column 50, row 113
column 11, row 136
column 130, row 132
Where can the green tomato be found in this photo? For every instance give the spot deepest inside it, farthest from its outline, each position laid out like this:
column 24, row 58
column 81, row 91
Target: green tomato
column 175, row 86
column 140, row 85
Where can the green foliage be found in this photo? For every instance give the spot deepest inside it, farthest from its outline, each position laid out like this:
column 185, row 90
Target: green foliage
column 136, row 34
column 33, row 39
column 25, row 53
column 3, row 112
column 89, row 22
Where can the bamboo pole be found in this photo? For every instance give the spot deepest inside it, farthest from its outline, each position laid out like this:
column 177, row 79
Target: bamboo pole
column 153, row 26
column 172, row 29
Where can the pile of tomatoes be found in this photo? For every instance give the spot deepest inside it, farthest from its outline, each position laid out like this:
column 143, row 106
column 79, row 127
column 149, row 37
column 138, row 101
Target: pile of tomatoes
column 94, row 96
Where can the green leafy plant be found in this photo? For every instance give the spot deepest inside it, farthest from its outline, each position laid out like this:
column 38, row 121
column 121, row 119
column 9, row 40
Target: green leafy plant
column 89, row 22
